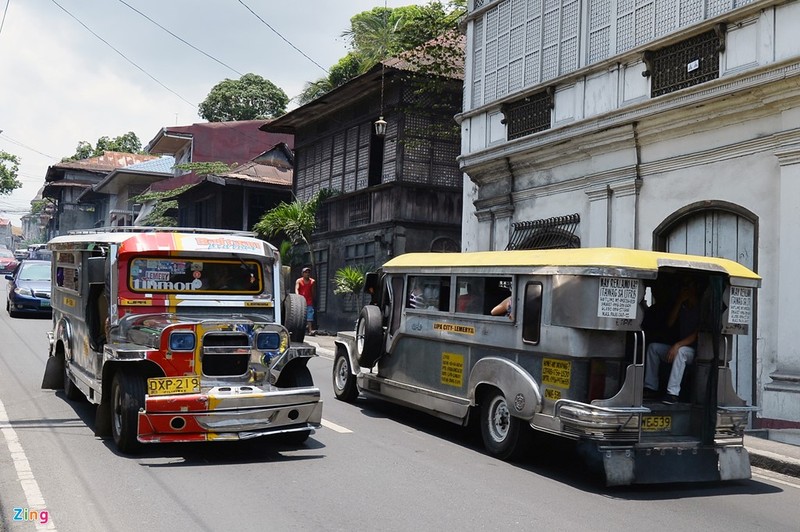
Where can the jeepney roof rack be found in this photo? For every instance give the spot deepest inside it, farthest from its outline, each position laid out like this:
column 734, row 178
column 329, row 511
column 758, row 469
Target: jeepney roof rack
column 151, row 229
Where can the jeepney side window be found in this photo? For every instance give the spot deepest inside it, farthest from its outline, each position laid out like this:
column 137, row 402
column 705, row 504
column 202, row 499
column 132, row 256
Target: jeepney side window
column 67, row 273
column 479, row 295
column 532, row 312
column 428, row 293
column 470, row 294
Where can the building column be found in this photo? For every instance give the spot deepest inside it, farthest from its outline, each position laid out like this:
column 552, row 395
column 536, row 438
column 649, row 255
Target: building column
column 599, row 199
column 495, row 227
column 781, row 398
column 624, row 197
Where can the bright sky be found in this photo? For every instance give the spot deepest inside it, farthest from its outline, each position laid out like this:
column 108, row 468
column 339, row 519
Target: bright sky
column 60, row 84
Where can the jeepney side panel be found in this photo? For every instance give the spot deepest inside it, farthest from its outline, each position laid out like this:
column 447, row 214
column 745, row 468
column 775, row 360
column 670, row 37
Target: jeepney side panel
column 70, row 285
column 440, row 351
column 345, row 342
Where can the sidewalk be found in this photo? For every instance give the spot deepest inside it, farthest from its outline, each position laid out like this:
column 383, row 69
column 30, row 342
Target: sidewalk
column 770, row 454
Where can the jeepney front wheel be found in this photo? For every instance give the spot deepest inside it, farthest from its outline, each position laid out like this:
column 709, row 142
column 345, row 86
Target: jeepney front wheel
column 127, row 397
column 369, row 336
column 344, row 382
column 504, row 435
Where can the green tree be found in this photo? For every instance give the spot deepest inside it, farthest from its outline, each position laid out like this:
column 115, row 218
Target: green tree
column 9, row 168
column 250, row 97
column 296, row 220
column 349, row 281
column 127, row 143
column 381, row 33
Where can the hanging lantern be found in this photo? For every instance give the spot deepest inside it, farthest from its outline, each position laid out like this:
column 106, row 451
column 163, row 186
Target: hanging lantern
column 380, row 127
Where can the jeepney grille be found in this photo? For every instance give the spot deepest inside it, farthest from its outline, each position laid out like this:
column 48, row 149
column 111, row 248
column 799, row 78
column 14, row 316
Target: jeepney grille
column 225, row 354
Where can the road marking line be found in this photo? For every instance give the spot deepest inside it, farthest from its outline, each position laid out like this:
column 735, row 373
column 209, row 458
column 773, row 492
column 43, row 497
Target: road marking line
column 33, row 495
column 335, row 427
column 778, row 480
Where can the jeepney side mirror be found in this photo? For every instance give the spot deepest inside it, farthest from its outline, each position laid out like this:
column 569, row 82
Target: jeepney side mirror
column 96, row 270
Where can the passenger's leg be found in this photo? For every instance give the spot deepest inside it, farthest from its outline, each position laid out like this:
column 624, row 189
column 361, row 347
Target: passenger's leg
column 655, row 354
column 685, row 356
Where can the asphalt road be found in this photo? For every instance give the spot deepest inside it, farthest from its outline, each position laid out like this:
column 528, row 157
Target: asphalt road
column 371, row 466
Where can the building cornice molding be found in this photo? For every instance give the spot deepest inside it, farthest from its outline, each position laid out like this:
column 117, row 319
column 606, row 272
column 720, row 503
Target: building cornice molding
column 762, row 88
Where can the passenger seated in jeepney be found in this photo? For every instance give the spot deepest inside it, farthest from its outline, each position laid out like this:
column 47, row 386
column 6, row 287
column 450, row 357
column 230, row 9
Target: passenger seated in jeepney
column 684, row 316
column 656, row 316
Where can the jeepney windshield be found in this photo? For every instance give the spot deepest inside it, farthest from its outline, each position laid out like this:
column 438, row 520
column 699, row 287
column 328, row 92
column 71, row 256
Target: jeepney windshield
column 196, row 276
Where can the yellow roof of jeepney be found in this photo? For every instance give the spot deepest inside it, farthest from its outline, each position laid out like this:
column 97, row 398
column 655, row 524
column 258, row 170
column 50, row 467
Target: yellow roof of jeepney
column 572, row 260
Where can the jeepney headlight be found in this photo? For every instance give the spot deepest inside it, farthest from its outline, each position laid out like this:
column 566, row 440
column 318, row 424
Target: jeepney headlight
column 182, row 341
column 268, row 341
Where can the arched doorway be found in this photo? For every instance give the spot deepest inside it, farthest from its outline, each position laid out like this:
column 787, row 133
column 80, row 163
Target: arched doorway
column 718, row 229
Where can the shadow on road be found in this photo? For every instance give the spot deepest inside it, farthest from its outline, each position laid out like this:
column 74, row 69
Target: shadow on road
column 558, row 459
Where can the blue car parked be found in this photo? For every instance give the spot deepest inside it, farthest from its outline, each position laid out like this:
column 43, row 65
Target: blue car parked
column 29, row 289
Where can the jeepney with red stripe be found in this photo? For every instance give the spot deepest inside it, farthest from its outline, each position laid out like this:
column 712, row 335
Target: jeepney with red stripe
column 179, row 335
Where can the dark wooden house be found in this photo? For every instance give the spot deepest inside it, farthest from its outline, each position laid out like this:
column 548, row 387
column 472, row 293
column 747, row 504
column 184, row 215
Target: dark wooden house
column 396, row 192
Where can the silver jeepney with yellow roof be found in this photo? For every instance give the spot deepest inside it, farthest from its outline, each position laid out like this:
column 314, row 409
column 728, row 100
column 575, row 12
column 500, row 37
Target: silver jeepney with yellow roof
column 567, row 358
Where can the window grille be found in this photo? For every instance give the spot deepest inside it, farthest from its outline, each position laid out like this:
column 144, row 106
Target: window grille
column 685, row 64
column 323, row 216
column 529, row 115
column 548, row 233
column 358, row 209
column 519, row 44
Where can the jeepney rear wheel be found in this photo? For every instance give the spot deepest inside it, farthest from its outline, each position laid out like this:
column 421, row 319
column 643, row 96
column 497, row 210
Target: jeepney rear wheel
column 503, row 434
column 72, row 392
column 369, row 336
column 344, row 382
column 127, row 397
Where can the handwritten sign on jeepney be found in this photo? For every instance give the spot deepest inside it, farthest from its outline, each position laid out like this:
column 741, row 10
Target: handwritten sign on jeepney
column 740, row 305
column 452, row 369
column 617, row 298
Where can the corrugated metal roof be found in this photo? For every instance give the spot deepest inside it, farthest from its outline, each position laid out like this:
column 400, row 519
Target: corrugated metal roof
column 261, row 173
column 109, row 161
column 162, row 165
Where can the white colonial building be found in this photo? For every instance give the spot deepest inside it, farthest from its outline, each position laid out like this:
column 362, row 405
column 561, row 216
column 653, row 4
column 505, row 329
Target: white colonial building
column 654, row 124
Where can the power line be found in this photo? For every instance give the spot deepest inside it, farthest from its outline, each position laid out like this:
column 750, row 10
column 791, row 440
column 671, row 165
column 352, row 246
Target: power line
column 282, row 37
column 179, row 38
column 121, row 54
column 3, row 22
column 18, row 143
